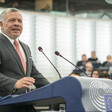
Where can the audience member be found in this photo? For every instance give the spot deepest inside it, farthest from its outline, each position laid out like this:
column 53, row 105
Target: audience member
column 93, row 57
column 108, row 63
column 83, row 61
column 110, row 70
column 88, row 69
column 74, row 74
column 105, row 75
column 96, row 73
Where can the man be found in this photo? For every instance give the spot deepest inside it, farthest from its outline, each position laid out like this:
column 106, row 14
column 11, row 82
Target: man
column 17, row 70
column 83, row 61
column 93, row 57
column 96, row 73
column 105, row 75
column 88, row 69
column 108, row 63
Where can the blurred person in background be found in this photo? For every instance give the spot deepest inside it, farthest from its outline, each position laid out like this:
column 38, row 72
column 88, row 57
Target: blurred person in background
column 82, row 62
column 74, row 74
column 108, row 63
column 93, row 57
column 96, row 73
column 105, row 75
column 88, row 69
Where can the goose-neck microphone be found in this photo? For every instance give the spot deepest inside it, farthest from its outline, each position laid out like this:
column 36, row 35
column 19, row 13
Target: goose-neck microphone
column 58, row 54
column 41, row 50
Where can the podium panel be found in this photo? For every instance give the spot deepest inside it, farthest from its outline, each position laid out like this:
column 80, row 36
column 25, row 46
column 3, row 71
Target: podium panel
column 66, row 90
column 93, row 93
column 80, row 94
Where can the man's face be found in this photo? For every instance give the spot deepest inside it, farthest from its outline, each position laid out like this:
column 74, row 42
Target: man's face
column 95, row 74
column 89, row 67
column 109, row 58
column 84, row 58
column 93, row 54
column 12, row 25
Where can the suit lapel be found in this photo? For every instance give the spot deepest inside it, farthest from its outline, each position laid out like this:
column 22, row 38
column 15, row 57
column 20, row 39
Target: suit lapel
column 9, row 46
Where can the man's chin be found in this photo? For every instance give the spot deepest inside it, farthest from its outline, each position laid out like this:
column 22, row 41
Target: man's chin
column 14, row 36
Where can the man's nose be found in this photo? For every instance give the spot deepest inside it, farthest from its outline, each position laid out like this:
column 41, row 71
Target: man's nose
column 16, row 23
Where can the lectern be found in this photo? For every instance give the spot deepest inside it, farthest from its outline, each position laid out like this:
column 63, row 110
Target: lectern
column 80, row 94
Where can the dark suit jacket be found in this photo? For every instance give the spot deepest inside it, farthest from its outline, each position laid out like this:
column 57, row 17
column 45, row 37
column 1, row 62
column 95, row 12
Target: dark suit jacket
column 93, row 59
column 107, row 64
column 11, row 68
column 81, row 63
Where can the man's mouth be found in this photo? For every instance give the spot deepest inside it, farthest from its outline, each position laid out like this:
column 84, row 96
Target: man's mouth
column 16, row 29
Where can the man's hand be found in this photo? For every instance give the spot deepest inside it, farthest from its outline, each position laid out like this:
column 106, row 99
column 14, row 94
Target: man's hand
column 24, row 82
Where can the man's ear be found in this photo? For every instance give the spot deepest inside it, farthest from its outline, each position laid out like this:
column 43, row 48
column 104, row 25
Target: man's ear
column 1, row 25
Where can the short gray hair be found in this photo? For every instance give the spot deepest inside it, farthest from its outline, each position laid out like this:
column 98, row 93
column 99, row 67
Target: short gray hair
column 8, row 10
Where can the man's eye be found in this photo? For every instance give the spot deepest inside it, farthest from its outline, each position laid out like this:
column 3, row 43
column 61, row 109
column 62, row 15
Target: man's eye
column 20, row 21
column 11, row 20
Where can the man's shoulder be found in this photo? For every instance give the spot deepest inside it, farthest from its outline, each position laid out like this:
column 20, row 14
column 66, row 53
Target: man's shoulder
column 104, row 62
column 89, row 58
column 1, row 36
column 79, row 62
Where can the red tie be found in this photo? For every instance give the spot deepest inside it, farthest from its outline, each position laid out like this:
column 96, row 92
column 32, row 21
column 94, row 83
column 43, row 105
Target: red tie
column 20, row 54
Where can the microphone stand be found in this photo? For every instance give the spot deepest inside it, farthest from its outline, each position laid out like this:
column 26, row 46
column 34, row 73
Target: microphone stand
column 41, row 50
column 58, row 54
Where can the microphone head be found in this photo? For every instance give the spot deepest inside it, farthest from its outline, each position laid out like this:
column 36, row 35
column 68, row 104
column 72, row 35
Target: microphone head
column 57, row 53
column 40, row 49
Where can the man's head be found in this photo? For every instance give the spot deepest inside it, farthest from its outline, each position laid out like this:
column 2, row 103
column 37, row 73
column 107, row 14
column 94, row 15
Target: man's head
column 89, row 67
column 84, row 58
column 74, row 74
column 109, row 58
column 105, row 75
column 96, row 73
column 11, row 23
column 93, row 54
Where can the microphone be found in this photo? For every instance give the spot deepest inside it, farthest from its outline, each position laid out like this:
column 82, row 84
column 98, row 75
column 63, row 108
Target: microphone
column 41, row 50
column 58, row 54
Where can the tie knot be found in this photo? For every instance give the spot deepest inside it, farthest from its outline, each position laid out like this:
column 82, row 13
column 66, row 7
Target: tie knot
column 16, row 43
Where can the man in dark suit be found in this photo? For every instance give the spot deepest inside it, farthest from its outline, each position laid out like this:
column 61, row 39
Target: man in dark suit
column 16, row 77
column 83, row 61
column 93, row 57
column 108, row 63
